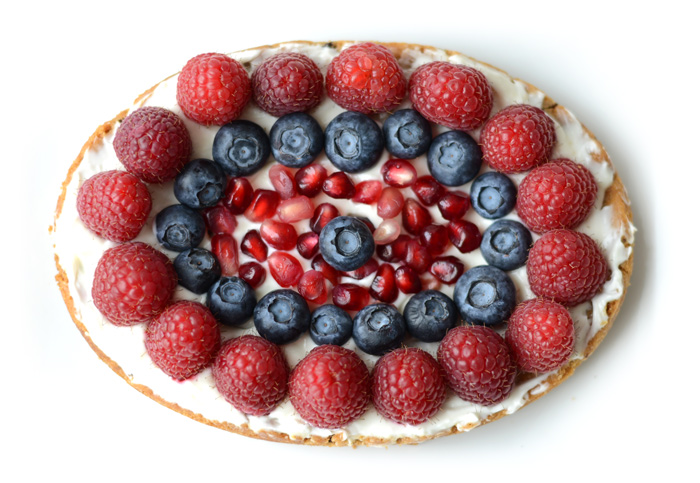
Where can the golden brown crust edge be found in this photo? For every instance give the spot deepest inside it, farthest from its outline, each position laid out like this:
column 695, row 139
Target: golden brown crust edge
column 615, row 196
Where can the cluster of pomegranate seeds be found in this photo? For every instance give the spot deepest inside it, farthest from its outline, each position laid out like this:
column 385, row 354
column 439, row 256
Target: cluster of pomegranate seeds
column 225, row 248
column 407, row 280
column 417, row 256
column 435, row 238
column 349, row 296
column 330, row 273
column 263, row 205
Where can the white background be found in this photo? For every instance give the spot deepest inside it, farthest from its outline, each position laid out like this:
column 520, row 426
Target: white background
column 629, row 73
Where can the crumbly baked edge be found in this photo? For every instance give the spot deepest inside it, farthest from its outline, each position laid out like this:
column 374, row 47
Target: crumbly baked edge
column 615, row 196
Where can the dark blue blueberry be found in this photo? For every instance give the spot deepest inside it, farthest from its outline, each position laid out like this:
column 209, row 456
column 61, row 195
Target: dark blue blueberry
column 231, row 301
column 241, row 148
column 407, row 134
column 485, row 295
column 282, row 316
column 454, row 158
column 429, row 315
column 493, row 195
column 505, row 244
column 197, row 269
column 179, row 227
column 330, row 325
column 354, row 142
column 346, row 243
column 296, row 139
column 378, row 329
column 200, row 184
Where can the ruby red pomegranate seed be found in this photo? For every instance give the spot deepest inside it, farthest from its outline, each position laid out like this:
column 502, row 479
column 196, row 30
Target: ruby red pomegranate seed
column 454, row 205
column 435, row 239
column 307, row 244
column 219, row 219
column 407, row 280
column 238, row 195
column 323, row 213
column 399, row 173
column 390, row 203
column 254, row 246
column 383, row 286
column 447, row 269
column 309, row 179
column 367, row 192
column 282, row 180
column 429, row 282
column 253, row 273
column 339, row 186
column 464, row 235
column 349, row 296
column 417, row 257
column 428, row 190
column 312, row 286
column 394, row 251
column 226, row 250
column 320, row 264
column 295, row 209
column 277, row 234
column 284, row 268
column 364, row 271
column 263, row 206
column 415, row 217
column 387, row 231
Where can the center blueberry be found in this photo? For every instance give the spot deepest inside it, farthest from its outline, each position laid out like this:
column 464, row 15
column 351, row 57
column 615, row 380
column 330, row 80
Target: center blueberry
column 504, row 241
column 348, row 143
column 490, row 199
column 482, row 294
column 281, row 311
column 347, row 242
column 295, row 142
column 451, row 155
column 245, row 150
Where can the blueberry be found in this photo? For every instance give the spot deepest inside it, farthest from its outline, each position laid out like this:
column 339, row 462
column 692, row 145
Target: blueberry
column 378, row 329
column 241, row 148
column 354, row 142
column 231, row 301
column 493, row 195
column 197, row 269
column 179, row 227
column 429, row 315
column 330, row 325
column 407, row 134
column 282, row 316
column 200, row 184
column 506, row 244
column 454, row 158
column 485, row 295
column 346, row 243
column 296, row 139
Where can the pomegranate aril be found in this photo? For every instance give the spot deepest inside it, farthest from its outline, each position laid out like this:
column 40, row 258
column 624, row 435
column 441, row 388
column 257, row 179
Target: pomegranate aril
column 339, row 186
column 399, row 173
column 349, row 296
column 323, row 213
column 390, row 203
column 295, row 209
column 284, row 268
column 447, row 269
column 429, row 282
column 428, row 190
column 407, row 280
column 282, row 236
column 320, row 264
column 415, row 217
column 312, row 286
column 219, row 219
column 464, row 235
column 383, row 286
column 435, row 239
column 387, row 231
column 417, row 257
column 367, row 192
column 253, row 273
column 454, row 205
column 364, row 271
column 224, row 247
column 254, row 246
column 263, row 206
column 283, row 181
column 394, row 251
column 238, row 195
column 309, row 179
column 307, row 244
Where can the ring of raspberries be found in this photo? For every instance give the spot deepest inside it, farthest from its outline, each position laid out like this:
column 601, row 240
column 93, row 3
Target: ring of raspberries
column 317, row 272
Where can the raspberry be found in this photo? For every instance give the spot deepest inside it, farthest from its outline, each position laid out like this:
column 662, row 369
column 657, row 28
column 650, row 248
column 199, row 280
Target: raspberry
column 518, row 138
column 213, row 89
column 455, row 96
column 133, row 283
column 183, row 339
column 477, row 364
column 407, row 386
column 366, row 78
column 287, row 82
column 559, row 194
column 330, row 387
column 251, row 373
column 153, row 143
column 566, row 266
column 541, row 335
column 114, row 205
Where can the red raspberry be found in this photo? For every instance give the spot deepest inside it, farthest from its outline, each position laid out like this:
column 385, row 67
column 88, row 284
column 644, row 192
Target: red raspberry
column 114, row 205
column 407, row 386
column 541, row 335
column 566, row 266
column 477, row 364
column 213, row 89
column 455, row 96
column 183, row 340
column 287, row 82
column 330, row 387
column 251, row 373
column 153, row 143
column 518, row 138
column 366, row 78
column 133, row 283
column 559, row 194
